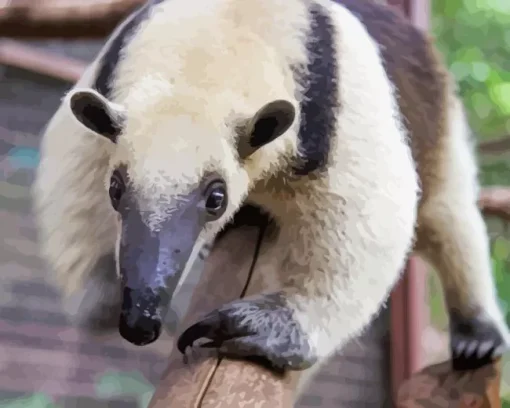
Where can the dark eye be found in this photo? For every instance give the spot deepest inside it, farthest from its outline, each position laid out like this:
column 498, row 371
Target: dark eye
column 116, row 189
column 216, row 198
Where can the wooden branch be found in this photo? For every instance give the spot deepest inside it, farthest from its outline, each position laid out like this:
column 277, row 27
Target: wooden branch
column 16, row 54
column 220, row 383
column 496, row 146
column 63, row 18
column 495, row 202
column 439, row 386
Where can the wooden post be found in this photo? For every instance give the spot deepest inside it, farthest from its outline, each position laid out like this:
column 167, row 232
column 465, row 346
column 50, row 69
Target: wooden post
column 408, row 300
column 407, row 317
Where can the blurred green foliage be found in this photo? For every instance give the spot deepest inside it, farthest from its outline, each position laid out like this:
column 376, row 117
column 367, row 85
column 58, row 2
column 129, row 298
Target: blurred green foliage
column 474, row 37
column 122, row 384
column 109, row 385
column 37, row 400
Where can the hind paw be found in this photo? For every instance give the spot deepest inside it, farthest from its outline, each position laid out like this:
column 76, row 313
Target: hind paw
column 475, row 342
column 470, row 354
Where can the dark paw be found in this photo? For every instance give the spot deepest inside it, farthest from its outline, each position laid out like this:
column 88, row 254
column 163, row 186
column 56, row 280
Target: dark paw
column 475, row 342
column 260, row 329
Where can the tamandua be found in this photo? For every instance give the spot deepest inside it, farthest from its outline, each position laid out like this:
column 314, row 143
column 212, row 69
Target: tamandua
column 337, row 119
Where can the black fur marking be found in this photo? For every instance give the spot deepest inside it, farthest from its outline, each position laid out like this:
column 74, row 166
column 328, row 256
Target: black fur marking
column 260, row 327
column 111, row 58
column 319, row 108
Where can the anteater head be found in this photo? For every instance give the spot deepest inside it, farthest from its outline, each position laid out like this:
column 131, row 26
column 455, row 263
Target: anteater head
column 174, row 179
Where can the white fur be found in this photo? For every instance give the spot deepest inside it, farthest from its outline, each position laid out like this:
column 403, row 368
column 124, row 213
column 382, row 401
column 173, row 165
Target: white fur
column 187, row 77
column 340, row 275
column 350, row 230
column 370, row 194
column 369, row 200
column 182, row 92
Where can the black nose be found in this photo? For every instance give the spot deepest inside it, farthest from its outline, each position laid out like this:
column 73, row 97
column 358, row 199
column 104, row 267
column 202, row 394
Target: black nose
column 141, row 331
column 140, row 323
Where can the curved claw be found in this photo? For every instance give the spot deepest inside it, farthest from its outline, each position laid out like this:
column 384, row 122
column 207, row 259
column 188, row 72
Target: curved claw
column 472, row 352
column 201, row 329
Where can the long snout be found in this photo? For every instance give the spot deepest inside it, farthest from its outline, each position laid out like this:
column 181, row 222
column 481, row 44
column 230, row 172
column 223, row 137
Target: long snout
column 149, row 283
column 151, row 265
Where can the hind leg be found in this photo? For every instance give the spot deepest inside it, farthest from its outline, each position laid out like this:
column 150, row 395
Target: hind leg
column 453, row 237
column 456, row 244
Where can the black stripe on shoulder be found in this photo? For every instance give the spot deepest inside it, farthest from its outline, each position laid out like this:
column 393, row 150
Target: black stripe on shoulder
column 111, row 57
column 319, row 106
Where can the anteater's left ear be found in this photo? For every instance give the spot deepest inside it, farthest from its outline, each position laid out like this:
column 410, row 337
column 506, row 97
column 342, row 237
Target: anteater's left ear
column 270, row 122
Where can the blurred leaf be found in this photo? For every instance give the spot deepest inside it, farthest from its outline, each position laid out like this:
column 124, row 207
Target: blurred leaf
column 481, row 105
column 480, row 71
column 37, row 400
column 120, row 384
column 438, row 316
column 145, row 399
column 501, row 96
column 501, row 249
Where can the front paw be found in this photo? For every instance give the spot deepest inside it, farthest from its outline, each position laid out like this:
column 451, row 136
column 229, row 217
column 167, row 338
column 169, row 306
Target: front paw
column 259, row 327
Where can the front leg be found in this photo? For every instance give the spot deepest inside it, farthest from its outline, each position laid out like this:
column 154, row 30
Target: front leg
column 330, row 289
column 291, row 329
column 341, row 245
column 261, row 327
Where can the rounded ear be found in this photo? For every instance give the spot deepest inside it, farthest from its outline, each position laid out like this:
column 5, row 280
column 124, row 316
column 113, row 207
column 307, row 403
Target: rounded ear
column 96, row 113
column 270, row 122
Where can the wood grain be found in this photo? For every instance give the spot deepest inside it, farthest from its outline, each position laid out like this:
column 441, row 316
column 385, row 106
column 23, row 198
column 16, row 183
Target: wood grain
column 437, row 386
